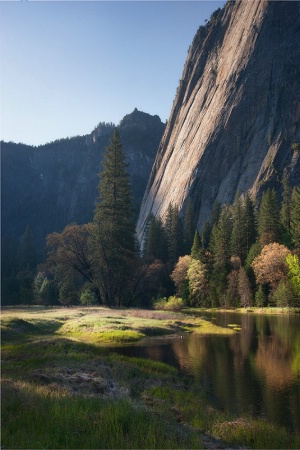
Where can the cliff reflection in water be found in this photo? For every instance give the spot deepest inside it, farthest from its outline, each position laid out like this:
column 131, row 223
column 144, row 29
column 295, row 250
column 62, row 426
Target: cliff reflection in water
column 256, row 371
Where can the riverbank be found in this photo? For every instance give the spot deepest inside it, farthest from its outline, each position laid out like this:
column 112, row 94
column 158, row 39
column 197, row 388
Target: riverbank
column 63, row 388
column 249, row 310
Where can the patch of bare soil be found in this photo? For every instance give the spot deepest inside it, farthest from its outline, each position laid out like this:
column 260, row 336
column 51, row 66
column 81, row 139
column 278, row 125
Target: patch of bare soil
column 90, row 382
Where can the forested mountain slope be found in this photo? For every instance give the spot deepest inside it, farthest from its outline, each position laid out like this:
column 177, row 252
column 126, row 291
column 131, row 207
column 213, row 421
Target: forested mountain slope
column 235, row 122
column 50, row 186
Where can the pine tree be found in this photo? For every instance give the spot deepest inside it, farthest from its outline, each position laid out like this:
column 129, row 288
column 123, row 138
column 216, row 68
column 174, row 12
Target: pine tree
column 173, row 229
column 205, row 235
column 155, row 245
column 113, row 238
column 244, row 228
column 260, row 297
column 268, row 223
column 215, row 214
column 295, row 216
column 238, row 231
column 196, row 251
column 189, row 226
column 220, row 247
column 220, row 239
column 250, row 227
column 285, row 211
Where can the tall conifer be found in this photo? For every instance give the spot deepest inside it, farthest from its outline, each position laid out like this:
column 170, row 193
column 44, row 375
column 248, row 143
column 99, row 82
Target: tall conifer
column 237, row 236
column 268, row 223
column 156, row 241
column 189, row 226
column 113, row 238
column 295, row 216
column 173, row 229
column 197, row 250
column 249, row 224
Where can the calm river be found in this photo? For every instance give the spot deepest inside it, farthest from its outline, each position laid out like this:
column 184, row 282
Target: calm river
column 256, row 371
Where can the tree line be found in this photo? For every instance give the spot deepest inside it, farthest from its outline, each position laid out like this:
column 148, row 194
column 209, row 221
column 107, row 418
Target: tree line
column 247, row 254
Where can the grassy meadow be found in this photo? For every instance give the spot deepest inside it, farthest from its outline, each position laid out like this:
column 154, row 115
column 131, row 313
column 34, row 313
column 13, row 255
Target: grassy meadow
column 62, row 387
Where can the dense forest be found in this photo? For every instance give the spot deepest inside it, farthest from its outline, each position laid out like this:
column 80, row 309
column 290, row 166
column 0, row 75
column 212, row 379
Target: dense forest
column 248, row 253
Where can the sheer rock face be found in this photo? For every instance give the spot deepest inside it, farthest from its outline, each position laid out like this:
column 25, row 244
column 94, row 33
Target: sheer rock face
column 236, row 113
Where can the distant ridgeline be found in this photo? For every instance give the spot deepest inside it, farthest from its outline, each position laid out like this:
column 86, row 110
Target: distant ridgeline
column 52, row 185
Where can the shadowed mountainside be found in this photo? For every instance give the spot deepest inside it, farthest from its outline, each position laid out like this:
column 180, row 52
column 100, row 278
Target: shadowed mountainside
column 50, row 186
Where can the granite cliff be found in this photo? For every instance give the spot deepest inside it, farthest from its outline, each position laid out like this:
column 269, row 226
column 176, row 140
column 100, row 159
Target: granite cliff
column 49, row 186
column 235, row 121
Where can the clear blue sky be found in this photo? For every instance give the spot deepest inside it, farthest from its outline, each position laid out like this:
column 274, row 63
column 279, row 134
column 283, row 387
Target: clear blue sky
column 66, row 66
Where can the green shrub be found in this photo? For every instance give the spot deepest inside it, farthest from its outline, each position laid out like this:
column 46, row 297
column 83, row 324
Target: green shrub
column 87, row 298
column 171, row 304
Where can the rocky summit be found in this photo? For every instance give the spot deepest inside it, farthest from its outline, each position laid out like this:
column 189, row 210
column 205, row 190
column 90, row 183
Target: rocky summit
column 52, row 185
column 235, row 122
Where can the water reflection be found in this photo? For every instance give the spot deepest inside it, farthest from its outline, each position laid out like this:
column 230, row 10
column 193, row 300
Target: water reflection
column 256, row 371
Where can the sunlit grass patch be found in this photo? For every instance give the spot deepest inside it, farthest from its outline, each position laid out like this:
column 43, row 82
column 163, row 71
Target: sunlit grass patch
column 114, row 329
column 234, row 326
column 255, row 434
column 105, row 330
column 119, row 336
column 201, row 326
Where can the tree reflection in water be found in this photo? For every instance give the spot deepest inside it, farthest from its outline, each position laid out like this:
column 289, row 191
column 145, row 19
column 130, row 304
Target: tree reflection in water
column 256, row 371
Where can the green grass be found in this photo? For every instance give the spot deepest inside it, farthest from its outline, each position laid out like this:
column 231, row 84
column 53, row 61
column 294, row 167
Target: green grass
column 99, row 325
column 232, row 431
column 39, row 420
column 61, row 388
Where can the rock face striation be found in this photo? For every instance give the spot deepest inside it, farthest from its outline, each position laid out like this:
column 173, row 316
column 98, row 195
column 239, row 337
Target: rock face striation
column 236, row 114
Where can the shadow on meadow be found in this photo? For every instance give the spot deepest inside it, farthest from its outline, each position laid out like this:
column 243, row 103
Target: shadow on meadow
column 61, row 392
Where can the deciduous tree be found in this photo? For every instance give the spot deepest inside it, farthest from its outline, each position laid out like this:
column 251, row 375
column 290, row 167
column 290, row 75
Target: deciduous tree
column 197, row 281
column 180, row 276
column 270, row 266
column 68, row 253
column 244, row 288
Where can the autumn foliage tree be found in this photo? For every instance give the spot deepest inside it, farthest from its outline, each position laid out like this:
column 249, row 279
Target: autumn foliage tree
column 270, row 266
